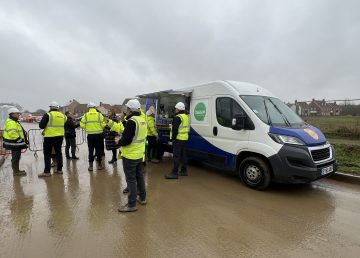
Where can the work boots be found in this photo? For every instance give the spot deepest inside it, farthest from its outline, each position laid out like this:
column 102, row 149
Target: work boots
column 16, row 170
column 100, row 165
column 91, row 166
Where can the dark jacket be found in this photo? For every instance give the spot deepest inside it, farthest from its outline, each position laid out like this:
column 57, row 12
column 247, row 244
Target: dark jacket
column 129, row 131
column 110, row 143
column 70, row 126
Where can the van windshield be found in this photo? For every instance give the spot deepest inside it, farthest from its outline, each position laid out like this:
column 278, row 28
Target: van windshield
column 273, row 111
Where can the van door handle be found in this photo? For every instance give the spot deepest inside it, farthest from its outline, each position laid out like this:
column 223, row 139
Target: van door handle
column 215, row 130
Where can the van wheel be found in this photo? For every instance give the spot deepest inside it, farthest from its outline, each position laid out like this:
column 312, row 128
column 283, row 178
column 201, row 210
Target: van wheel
column 255, row 173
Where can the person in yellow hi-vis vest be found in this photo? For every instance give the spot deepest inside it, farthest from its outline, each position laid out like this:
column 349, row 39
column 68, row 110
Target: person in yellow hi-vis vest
column 179, row 136
column 93, row 123
column 152, row 136
column 15, row 139
column 132, row 147
column 114, row 128
column 53, row 124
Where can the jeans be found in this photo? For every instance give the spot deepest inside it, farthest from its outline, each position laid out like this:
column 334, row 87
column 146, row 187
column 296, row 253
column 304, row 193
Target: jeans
column 49, row 143
column 70, row 142
column 135, row 180
column 179, row 156
column 95, row 142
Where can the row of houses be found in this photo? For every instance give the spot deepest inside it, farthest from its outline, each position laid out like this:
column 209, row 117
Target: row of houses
column 316, row 108
column 79, row 109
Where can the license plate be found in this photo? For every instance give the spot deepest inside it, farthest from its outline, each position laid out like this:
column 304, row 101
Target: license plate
column 327, row 170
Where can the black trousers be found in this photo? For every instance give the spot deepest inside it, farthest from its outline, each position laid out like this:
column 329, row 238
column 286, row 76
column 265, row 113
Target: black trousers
column 179, row 156
column 49, row 143
column 152, row 148
column 15, row 158
column 70, row 142
column 134, row 175
column 95, row 142
column 114, row 157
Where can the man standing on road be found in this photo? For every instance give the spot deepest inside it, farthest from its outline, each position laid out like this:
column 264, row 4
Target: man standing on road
column 132, row 145
column 179, row 136
column 93, row 123
column 15, row 139
column 70, row 136
column 53, row 124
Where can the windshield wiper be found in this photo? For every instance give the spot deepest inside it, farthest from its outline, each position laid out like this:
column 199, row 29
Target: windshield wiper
column 267, row 114
column 283, row 116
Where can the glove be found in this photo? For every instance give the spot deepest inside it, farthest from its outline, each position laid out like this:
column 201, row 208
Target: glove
column 170, row 143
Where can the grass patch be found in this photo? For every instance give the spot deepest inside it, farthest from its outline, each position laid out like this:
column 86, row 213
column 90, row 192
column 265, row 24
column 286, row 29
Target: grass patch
column 337, row 126
column 348, row 158
column 344, row 133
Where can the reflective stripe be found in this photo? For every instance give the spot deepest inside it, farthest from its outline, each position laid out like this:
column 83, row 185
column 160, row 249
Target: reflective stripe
column 9, row 130
column 136, row 149
column 13, row 130
column 137, row 141
column 94, row 131
column 14, row 144
column 55, row 125
column 92, row 122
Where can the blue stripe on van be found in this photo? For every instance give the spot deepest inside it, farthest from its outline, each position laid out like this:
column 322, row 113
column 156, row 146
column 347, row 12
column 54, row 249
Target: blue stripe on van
column 301, row 134
column 197, row 143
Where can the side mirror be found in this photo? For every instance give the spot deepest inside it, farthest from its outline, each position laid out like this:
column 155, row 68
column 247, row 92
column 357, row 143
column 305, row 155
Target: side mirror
column 238, row 122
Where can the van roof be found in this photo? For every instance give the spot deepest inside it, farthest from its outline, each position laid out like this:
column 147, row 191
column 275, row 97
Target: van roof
column 239, row 88
column 245, row 88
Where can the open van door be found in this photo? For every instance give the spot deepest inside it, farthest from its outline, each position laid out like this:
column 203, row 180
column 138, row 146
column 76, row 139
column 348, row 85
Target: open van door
column 165, row 102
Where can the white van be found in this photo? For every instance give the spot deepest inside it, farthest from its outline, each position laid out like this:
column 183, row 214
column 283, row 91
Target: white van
column 242, row 127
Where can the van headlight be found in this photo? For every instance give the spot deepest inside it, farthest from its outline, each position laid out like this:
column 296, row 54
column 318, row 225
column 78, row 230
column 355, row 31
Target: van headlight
column 285, row 139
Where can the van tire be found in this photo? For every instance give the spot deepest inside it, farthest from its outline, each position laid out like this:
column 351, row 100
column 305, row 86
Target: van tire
column 255, row 173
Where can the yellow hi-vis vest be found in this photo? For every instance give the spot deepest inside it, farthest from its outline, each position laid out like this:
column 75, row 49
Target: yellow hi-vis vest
column 93, row 122
column 55, row 125
column 184, row 128
column 117, row 127
column 136, row 149
column 13, row 135
column 151, row 128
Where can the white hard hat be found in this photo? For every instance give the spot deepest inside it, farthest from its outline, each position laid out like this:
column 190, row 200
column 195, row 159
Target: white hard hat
column 13, row 110
column 91, row 105
column 180, row 106
column 133, row 104
column 54, row 104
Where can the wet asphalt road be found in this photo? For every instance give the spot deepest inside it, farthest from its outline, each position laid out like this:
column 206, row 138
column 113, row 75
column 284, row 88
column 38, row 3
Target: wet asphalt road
column 207, row 214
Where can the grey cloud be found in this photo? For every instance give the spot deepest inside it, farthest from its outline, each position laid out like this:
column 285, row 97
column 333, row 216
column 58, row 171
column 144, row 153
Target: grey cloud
column 109, row 50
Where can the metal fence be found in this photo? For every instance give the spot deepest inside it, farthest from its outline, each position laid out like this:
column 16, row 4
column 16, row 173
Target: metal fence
column 36, row 139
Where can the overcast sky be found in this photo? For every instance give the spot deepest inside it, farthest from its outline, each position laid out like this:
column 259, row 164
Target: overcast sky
column 109, row 50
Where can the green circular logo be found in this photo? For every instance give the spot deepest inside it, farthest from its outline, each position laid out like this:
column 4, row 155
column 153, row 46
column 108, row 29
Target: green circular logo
column 200, row 111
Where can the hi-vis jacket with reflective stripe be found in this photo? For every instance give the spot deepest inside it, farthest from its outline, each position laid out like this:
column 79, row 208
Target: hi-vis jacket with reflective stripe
column 136, row 149
column 151, row 128
column 55, row 126
column 184, row 128
column 13, row 135
column 93, row 122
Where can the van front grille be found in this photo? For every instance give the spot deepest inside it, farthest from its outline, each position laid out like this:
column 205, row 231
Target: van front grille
column 319, row 155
